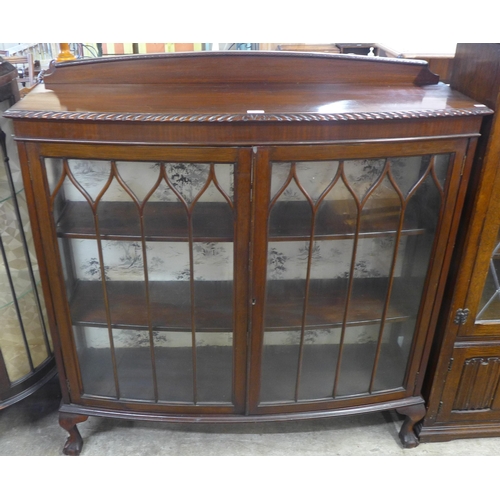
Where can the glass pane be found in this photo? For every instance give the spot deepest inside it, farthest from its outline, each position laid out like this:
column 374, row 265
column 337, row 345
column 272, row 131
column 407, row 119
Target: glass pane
column 319, row 363
column 489, row 306
column 358, row 356
column 291, row 215
column 96, row 364
column 362, row 175
column 174, row 366
column 214, row 366
column 139, row 177
column 134, row 363
column 280, row 359
column 188, row 179
column 90, row 175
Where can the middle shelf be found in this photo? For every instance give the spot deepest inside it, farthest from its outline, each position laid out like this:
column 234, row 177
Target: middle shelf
column 170, row 304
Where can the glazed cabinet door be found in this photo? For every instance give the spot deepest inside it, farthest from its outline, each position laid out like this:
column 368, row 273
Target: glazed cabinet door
column 349, row 247
column 149, row 274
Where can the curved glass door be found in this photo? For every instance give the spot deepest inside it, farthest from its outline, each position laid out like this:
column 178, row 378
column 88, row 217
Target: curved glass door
column 349, row 245
column 149, row 252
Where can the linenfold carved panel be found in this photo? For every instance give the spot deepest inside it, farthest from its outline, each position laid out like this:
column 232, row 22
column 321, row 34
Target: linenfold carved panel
column 478, row 384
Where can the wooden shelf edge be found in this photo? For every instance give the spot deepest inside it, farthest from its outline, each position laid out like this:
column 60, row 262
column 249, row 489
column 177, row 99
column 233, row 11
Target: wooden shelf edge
column 93, row 314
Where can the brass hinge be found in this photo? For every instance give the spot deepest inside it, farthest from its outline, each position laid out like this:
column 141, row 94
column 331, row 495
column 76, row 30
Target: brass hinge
column 68, row 386
column 461, row 316
column 440, row 407
column 416, row 380
column 450, row 364
column 463, row 165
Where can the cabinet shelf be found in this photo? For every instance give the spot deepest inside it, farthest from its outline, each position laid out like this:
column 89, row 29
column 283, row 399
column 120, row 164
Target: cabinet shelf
column 171, row 306
column 167, row 221
column 163, row 221
column 291, row 221
column 285, row 303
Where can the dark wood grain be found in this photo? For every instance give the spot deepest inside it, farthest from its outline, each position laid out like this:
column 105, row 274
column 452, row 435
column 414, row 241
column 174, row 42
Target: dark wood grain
column 74, row 442
column 242, row 68
column 273, row 103
column 414, row 414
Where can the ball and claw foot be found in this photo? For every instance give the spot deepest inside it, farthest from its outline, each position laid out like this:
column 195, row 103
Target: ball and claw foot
column 414, row 414
column 74, row 443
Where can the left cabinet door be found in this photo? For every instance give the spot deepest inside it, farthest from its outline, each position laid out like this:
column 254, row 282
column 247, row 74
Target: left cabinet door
column 148, row 252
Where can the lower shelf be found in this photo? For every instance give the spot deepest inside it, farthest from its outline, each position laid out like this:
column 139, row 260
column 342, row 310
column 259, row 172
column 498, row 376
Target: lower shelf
column 214, row 373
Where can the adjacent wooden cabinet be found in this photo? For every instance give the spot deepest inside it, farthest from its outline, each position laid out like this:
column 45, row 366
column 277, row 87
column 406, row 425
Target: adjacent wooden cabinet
column 462, row 387
column 251, row 236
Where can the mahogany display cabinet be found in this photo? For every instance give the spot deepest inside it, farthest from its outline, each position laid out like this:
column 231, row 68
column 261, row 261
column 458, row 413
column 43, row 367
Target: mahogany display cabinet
column 462, row 386
column 244, row 236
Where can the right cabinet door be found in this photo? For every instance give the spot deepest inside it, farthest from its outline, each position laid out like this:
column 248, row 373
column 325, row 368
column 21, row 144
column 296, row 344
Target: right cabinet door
column 349, row 244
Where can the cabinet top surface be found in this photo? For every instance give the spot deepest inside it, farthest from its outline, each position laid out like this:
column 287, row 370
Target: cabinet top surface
column 218, row 87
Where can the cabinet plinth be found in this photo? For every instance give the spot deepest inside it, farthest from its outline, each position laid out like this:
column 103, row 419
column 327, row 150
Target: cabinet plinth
column 195, row 277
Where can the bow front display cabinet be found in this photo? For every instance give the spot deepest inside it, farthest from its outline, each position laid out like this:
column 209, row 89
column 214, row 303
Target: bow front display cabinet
column 243, row 237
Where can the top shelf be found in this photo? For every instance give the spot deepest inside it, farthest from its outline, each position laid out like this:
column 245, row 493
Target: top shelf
column 241, row 67
column 167, row 221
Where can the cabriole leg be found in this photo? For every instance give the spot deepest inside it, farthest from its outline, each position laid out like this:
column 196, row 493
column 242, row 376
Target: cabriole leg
column 74, row 443
column 413, row 414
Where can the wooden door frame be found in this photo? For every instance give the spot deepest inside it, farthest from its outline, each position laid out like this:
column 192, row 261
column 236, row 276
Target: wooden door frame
column 53, row 277
column 454, row 193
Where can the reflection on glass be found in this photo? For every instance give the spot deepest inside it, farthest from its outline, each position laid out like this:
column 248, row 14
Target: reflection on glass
column 24, row 342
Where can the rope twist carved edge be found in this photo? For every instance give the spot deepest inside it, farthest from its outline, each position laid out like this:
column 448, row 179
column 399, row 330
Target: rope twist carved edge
column 285, row 117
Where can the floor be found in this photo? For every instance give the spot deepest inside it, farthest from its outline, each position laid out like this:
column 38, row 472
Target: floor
column 30, row 428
